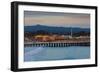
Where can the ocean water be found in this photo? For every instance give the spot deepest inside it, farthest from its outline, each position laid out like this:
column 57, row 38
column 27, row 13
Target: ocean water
column 56, row 53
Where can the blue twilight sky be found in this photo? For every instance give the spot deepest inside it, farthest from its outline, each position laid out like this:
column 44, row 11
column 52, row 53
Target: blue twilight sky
column 57, row 19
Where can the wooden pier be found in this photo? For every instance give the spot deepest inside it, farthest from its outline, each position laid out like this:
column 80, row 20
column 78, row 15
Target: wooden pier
column 57, row 44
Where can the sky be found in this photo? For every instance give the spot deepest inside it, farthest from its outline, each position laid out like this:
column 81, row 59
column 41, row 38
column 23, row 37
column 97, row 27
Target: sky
column 56, row 19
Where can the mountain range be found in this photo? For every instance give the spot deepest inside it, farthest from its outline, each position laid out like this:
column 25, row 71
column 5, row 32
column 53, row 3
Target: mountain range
column 54, row 29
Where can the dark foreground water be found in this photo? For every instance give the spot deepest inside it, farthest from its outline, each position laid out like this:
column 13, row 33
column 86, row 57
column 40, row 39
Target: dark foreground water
column 56, row 53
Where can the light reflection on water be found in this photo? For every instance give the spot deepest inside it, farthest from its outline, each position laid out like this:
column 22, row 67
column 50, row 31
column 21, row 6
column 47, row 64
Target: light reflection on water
column 56, row 53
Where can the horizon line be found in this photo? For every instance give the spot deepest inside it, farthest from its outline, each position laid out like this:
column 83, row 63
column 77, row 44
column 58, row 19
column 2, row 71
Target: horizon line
column 57, row 26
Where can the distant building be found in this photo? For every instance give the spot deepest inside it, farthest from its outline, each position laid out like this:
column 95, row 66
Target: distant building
column 44, row 38
column 47, row 38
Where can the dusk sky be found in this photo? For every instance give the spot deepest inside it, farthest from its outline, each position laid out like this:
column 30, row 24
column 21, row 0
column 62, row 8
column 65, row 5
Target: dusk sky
column 56, row 19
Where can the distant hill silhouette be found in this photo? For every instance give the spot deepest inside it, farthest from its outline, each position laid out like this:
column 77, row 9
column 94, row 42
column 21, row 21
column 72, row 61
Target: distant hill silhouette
column 41, row 29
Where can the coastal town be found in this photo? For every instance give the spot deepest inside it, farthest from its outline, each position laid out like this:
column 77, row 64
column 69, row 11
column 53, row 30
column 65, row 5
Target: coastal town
column 55, row 39
column 52, row 38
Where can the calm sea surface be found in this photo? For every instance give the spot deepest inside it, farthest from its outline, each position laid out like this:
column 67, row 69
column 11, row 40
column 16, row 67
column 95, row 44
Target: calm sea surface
column 56, row 53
